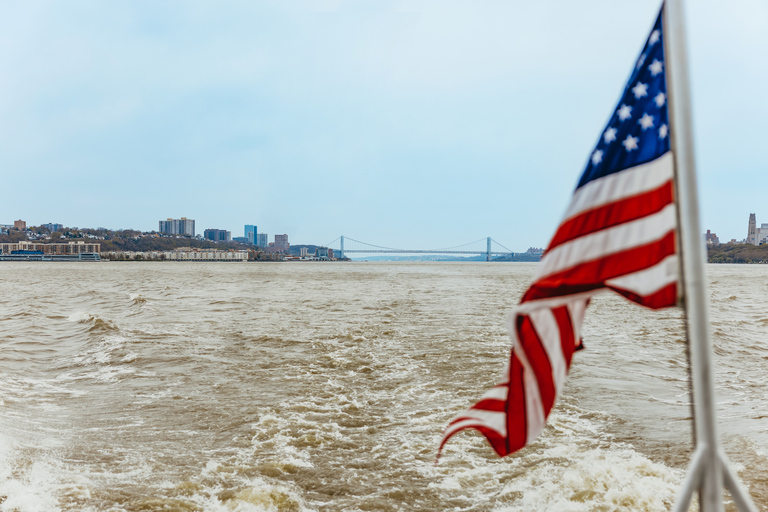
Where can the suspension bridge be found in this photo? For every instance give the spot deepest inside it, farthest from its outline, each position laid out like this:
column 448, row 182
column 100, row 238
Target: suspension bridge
column 485, row 246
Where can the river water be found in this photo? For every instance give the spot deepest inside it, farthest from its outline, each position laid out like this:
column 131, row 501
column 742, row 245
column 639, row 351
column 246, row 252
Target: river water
column 325, row 386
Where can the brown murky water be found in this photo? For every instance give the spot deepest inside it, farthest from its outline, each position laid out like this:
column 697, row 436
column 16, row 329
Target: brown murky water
column 303, row 386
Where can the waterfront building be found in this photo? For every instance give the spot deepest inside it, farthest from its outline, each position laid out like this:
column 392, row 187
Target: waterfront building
column 261, row 239
column 185, row 254
column 281, row 243
column 182, row 226
column 217, row 235
column 21, row 225
column 303, row 252
column 250, row 233
column 78, row 247
column 206, row 255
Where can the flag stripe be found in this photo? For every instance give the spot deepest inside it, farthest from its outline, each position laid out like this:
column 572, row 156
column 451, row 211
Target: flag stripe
column 591, row 275
column 549, row 334
column 490, row 404
column 538, row 362
column 492, row 418
column 534, row 410
column 497, row 439
column 497, row 392
column 613, row 214
column 516, row 410
column 626, row 183
column 608, row 242
column 567, row 338
column 663, row 298
column 576, row 310
column 648, row 280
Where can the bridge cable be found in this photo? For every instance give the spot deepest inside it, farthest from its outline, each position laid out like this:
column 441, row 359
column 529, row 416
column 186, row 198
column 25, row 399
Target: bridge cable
column 507, row 248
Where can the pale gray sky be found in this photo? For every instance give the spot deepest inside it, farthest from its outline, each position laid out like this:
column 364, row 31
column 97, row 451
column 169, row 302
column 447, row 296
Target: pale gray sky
column 401, row 123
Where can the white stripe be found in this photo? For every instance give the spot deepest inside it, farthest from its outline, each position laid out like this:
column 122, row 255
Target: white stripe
column 526, row 308
column 576, row 303
column 471, row 423
column 608, row 241
column 649, row 280
column 576, row 310
column 546, row 327
column 534, row 411
column 617, row 186
column 491, row 419
column 497, row 392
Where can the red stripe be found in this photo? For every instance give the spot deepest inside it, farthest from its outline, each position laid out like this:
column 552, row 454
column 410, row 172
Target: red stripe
column 565, row 326
column 663, row 298
column 490, row 404
column 592, row 275
column 517, row 422
column 613, row 214
column 497, row 441
column 538, row 360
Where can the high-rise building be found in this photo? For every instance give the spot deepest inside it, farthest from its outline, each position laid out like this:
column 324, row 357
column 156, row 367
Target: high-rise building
column 217, row 235
column 761, row 234
column 261, row 239
column 52, row 227
column 182, row 226
column 21, row 225
column 752, row 231
column 756, row 235
column 250, row 233
column 281, row 243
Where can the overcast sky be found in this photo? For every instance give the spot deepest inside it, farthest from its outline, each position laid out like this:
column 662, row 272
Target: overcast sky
column 412, row 123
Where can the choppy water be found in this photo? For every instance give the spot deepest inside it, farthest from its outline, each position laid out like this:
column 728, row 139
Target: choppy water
column 301, row 386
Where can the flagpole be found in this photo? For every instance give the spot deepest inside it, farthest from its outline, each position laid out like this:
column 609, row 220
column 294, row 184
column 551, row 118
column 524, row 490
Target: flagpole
column 708, row 465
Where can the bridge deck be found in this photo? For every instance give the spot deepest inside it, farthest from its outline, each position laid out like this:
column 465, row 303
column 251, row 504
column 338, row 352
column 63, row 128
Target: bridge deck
column 420, row 251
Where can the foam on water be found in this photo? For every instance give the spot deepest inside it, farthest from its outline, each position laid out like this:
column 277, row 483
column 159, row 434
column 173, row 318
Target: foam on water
column 327, row 387
column 33, row 479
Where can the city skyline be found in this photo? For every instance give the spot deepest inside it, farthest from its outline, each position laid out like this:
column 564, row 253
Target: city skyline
column 399, row 123
column 253, row 236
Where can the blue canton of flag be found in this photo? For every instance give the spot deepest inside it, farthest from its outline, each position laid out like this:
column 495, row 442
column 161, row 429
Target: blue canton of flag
column 638, row 131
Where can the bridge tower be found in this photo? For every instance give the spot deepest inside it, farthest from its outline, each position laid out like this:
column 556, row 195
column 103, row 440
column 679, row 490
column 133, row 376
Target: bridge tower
column 488, row 250
column 341, row 252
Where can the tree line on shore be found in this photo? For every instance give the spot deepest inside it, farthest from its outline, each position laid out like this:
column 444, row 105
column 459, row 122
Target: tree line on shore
column 129, row 240
column 122, row 240
column 737, row 253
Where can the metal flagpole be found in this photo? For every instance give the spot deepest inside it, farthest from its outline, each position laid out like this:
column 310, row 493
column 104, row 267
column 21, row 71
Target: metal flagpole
column 709, row 468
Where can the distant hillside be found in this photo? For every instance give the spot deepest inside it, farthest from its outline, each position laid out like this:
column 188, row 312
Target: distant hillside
column 738, row 253
column 423, row 257
column 131, row 241
column 295, row 250
column 519, row 256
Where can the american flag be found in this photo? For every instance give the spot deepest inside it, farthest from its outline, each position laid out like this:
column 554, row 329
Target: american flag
column 618, row 234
